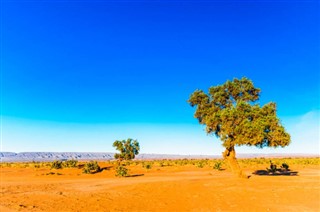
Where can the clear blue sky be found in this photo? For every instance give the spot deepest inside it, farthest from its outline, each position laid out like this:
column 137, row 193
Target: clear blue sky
column 76, row 75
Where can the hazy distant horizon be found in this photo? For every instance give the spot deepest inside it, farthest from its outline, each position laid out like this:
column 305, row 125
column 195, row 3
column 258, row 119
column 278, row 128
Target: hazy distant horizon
column 84, row 156
column 150, row 153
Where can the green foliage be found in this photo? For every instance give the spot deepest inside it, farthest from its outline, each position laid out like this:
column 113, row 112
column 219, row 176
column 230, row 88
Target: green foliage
column 91, row 168
column 182, row 162
column 165, row 162
column 217, row 166
column 71, row 163
column 148, row 166
column 59, row 164
column 200, row 164
column 56, row 164
column 128, row 149
column 230, row 112
column 36, row 164
column 121, row 171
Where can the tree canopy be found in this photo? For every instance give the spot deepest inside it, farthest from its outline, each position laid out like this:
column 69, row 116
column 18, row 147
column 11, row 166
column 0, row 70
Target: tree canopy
column 230, row 111
column 128, row 149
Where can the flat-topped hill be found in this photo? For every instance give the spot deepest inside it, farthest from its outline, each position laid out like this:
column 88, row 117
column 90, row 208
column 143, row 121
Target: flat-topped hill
column 51, row 156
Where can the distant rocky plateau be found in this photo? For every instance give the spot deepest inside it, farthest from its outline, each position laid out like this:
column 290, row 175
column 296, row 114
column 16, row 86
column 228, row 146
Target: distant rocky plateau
column 85, row 156
column 51, row 156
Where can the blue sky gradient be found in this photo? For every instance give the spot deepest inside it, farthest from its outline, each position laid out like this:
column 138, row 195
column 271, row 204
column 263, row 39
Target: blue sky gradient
column 101, row 68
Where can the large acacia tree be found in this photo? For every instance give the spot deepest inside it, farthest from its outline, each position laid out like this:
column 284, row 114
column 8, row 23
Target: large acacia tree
column 231, row 112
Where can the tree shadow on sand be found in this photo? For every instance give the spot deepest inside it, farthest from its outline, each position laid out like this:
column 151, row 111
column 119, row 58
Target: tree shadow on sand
column 101, row 169
column 80, row 166
column 106, row 168
column 135, row 175
column 277, row 172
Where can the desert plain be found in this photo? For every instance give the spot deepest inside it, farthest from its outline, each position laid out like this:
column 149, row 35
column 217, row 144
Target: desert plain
column 160, row 187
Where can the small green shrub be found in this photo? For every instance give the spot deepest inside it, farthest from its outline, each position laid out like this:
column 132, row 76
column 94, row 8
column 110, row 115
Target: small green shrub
column 91, row 167
column 200, row 164
column 217, row 166
column 148, row 166
column 37, row 165
column 273, row 168
column 121, row 171
column 71, row 163
column 285, row 166
column 56, row 164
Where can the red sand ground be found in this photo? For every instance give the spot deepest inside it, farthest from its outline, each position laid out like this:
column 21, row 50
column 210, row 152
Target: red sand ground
column 184, row 188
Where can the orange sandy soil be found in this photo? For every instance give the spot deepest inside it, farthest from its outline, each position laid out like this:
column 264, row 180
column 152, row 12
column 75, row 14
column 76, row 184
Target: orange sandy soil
column 180, row 188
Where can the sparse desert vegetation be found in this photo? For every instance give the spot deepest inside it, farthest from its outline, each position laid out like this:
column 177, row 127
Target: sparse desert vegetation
column 91, row 167
column 170, row 185
column 243, row 162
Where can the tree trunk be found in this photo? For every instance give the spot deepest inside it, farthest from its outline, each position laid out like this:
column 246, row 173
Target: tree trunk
column 230, row 155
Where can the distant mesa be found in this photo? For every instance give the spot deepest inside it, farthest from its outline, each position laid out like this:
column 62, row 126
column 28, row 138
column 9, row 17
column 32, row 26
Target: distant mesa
column 7, row 154
column 51, row 156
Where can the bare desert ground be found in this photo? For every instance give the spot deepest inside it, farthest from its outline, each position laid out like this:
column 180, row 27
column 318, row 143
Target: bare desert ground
column 170, row 188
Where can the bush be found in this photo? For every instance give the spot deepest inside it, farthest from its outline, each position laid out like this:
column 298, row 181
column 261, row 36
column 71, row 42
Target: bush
column 285, row 166
column 36, row 164
column 121, row 171
column 217, row 166
column 71, row 163
column 200, row 164
column 56, row 164
column 91, row 167
column 273, row 168
column 148, row 166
